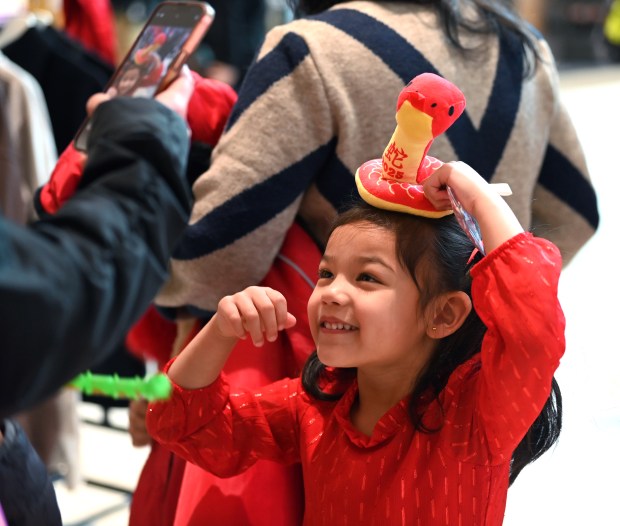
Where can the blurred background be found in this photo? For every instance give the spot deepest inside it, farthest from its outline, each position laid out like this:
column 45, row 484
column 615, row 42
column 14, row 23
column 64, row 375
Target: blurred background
column 93, row 461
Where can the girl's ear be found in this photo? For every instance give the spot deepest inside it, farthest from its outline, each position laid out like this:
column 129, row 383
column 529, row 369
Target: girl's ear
column 450, row 311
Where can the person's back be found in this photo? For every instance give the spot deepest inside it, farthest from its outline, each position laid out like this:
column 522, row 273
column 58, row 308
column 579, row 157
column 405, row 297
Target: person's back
column 320, row 100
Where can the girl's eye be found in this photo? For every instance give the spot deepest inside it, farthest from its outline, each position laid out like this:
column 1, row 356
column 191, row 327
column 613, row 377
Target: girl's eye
column 367, row 277
column 324, row 273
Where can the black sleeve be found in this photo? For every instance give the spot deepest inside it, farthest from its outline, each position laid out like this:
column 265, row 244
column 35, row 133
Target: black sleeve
column 71, row 285
column 26, row 491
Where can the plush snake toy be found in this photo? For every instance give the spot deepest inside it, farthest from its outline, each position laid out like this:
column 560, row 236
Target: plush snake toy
column 426, row 108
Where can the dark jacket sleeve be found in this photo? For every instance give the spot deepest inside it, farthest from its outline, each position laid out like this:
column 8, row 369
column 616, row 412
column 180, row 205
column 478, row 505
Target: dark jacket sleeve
column 26, row 491
column 72, row 284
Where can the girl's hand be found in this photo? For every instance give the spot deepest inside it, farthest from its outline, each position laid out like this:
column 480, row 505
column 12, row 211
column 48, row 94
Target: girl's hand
column 258, row 311
column 496, row 220
column 468, row 186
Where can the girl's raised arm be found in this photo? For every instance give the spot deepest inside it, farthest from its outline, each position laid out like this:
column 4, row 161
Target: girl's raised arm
column 259, row 312
column 496, row 220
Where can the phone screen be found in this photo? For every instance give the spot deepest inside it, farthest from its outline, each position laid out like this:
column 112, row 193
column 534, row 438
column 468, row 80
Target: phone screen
column 146, row 67
column 170, row 35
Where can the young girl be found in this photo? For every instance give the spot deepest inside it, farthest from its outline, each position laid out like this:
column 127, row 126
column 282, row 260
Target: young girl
column 127, row 82
column 417, row 407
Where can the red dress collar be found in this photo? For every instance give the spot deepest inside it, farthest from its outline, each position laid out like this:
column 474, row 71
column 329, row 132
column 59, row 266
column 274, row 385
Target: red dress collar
column 395, row 420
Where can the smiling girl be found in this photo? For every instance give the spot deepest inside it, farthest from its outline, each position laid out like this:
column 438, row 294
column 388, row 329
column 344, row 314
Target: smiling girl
column 431, row 385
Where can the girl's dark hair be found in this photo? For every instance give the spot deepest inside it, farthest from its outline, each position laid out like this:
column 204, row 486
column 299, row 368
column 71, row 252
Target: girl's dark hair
column 494, row 15
column 436, row 253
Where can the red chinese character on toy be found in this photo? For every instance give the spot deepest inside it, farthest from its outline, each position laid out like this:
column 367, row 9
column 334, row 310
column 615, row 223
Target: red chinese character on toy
column 395, row 156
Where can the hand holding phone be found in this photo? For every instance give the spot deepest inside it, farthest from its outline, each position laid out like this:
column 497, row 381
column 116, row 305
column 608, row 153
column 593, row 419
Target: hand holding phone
column 171, row 34
column 175, row 96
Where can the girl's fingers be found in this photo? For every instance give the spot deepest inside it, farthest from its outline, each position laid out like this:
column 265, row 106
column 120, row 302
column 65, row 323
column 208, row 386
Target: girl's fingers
column 230, row 320
column 464, row 181
column 290, row 321
column 435, row 188
column 260, row 318
column 250, row 316
column 439, row 199
column 260, row 312
column 280, row 309
column 271, row 307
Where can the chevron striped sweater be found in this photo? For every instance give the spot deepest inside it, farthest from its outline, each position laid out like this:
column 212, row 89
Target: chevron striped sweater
column 320, row 100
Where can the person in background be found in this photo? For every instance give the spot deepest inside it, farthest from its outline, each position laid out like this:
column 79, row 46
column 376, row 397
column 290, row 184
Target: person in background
column 230, row 45
column 151, row 337
column 318, row 101
column 84, row 275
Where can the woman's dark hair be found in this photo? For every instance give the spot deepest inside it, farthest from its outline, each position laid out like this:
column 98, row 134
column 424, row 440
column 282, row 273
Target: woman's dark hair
column 436, row 253
column 493, row 16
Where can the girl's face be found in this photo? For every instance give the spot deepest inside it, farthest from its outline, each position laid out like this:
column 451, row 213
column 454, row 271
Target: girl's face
column 128, row 81
column 364, row 309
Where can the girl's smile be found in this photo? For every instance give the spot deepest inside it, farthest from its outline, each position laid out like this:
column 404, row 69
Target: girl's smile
column 335, row 325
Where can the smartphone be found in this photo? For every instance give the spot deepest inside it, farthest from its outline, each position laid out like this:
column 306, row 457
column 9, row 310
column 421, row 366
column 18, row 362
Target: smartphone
column 169, row 37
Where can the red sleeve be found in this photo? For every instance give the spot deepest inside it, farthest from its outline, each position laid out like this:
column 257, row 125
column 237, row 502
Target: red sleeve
column 515, row 294
column 209, row 108
column 91, row 22
column 227, row 433
column 62, row 183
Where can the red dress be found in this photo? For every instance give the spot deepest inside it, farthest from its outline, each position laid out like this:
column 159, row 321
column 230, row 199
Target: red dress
column 398, row 475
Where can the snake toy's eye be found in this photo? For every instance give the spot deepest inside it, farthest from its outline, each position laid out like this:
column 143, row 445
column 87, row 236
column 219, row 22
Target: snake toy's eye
column 451, row 111
column 434, row 105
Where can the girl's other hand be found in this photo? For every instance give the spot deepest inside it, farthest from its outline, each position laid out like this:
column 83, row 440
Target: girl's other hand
column 259, row 312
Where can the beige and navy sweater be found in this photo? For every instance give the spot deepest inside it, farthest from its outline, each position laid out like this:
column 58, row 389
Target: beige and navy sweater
column 320, row 100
